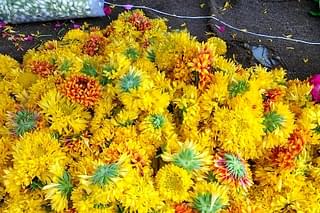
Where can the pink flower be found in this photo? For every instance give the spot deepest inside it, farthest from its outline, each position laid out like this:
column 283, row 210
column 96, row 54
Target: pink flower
column 107, row 10
column 28, row 38
column 315, row 92
column 128, row 6
column 220, row 28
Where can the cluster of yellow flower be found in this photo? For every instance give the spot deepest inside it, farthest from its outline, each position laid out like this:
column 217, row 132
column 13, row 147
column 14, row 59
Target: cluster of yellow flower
column 133, row 118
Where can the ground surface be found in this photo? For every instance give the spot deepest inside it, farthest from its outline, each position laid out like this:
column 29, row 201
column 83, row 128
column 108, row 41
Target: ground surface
column 263, row 16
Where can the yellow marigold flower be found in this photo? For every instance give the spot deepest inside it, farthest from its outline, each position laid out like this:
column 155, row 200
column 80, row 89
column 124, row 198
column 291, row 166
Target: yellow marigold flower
column 239, row 130
column 181, row 71
column 26, row 202
column 278, row 125
column 155, row 126
column 310, row 120
column 209, row 197
column 261, row 77
column 279, row 75
column 9, row 68
column 218, row 44
column 293, row 201
column 139, row 195
column 59, row 192
column 190, row 157
column 102, row 110
column 68, row 63
column 103, row 134
column 173, row 183
column 73, row 40
column 298, row 92
column 176, row 44
column 118, row 65
column 224, row 65
column 277, row 178
column 188, row 105
column 215, row 95
column 64, row 116
column 33, row 156
column 85, row 200
column 75, row 34
column 39, row 89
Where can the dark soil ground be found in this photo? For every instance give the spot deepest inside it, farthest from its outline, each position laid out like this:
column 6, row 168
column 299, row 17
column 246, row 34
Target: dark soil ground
column 275, row 17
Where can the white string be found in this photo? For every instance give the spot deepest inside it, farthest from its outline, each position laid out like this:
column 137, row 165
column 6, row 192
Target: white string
column 216, row 19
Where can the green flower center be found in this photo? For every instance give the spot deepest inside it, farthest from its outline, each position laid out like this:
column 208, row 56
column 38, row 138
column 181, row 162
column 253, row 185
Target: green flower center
column 235, row 166
column 130, row 81
column 89, row 69
column 207, row 203
column 132, row 53
column 317, row 129
column 157, row 121
column 151, row 56
column 187, row 159
column 65, row 184
column 25, row 121
column 105, row 173
column 65, row 66
column 272, row 121
column 238, row 88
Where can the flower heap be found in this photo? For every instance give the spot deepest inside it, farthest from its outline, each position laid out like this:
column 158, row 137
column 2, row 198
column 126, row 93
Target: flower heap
column 133, row 118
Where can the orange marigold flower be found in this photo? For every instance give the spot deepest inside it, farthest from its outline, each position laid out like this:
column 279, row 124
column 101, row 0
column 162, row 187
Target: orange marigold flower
column 141, row 22
column 205, row 80
column 281, row 157
column 180, row 71
column 202, row 62
column 42, row 68
column 271, row 96
column 183, row 208
column 284, row 156
column 94, row 45
column 82, row 89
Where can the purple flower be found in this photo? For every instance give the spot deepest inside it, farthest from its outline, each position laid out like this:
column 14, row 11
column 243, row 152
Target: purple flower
column 2, row 25
column 107, row 10
column 76, row 26
column 128, row 6
column 315, row 92
column 57, row 25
